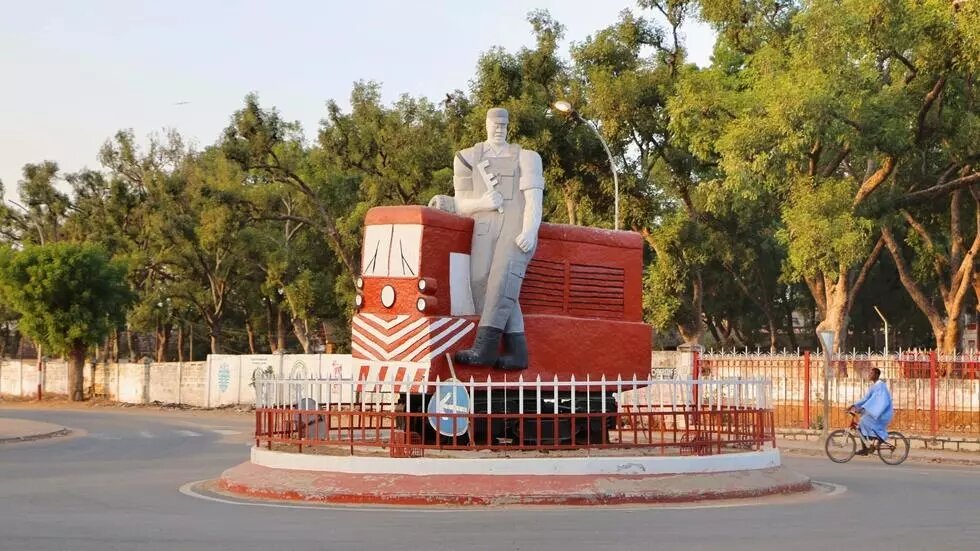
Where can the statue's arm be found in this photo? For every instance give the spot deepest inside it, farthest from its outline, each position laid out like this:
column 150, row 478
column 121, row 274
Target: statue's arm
column 463, row 187
column 532, row 186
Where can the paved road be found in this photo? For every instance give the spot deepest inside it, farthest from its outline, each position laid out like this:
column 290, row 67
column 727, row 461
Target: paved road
column 116, row 487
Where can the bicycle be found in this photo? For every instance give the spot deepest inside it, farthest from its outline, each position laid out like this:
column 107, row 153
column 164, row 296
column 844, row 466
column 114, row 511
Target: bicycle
column 841, row 445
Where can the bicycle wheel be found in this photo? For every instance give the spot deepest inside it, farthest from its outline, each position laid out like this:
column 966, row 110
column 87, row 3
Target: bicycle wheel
column 894, row 450
column 840, row 446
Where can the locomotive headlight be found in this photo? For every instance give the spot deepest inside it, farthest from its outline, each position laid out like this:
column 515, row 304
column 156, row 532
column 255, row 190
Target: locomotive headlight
column 359, row 300
column 427, row 285
column 426, row 304
column 388, row 296
column 359, row 282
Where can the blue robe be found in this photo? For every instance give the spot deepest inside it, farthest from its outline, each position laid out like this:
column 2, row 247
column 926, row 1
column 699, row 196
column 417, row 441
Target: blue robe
column 878, row 412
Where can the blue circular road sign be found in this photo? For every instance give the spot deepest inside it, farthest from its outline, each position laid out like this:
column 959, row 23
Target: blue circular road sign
column 450, row 398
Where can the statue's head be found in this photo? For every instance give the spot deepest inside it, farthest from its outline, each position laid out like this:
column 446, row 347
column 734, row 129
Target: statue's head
column 497, row 119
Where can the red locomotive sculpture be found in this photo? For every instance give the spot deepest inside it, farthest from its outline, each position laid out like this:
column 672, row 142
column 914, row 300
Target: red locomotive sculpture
column 581, row 300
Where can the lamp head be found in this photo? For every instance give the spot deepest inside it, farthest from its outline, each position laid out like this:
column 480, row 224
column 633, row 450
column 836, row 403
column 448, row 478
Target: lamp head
column 563, row 106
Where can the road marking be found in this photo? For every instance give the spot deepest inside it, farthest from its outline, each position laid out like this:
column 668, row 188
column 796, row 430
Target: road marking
column 146, row 434
column 227, row 432
column 835, row 489
column 187, row 433
column 825, row 490
column 99, row 436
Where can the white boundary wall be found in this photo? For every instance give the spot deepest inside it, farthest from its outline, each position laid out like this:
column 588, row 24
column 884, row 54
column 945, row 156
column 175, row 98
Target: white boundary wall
column 222, row 380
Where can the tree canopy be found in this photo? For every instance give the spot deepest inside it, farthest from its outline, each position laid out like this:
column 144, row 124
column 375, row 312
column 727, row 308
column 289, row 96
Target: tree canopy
column 69, row 296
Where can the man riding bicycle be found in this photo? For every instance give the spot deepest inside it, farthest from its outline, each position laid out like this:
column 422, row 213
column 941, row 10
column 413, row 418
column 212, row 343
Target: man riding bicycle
column 875, row 409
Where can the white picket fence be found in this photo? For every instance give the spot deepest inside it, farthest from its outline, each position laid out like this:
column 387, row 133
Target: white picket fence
column 545, row 395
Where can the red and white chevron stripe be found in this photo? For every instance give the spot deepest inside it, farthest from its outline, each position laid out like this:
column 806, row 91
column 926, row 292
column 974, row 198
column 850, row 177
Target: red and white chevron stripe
column 404, row 338
column 377, row 376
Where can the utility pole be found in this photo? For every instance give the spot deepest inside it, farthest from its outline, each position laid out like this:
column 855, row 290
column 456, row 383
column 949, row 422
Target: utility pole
column 40, row 373
column 827, row 339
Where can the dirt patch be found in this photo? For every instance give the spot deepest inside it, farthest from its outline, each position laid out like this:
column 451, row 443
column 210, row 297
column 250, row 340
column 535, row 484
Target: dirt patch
column 953, row 423
column 62, row 402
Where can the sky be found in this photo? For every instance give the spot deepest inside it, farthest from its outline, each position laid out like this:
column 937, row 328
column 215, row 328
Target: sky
column 73, row 73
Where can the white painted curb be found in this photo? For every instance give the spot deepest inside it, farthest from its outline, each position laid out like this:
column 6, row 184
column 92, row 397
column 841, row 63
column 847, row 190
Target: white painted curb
column 422, row 466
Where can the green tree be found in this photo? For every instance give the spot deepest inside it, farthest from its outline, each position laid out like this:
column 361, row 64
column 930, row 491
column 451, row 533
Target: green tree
column 825, row 105
column 120, row 210
column 272, row 151
column 40, row 214
column 69, row 297
column 629, row 73
column 398, row 155
column 292, row 190
column 205, row 237
column 527, row 83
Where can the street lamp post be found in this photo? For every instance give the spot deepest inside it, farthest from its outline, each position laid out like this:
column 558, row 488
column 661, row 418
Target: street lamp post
column 827, row 340
column 880, row 315
column 40, row 234
column 566, row 107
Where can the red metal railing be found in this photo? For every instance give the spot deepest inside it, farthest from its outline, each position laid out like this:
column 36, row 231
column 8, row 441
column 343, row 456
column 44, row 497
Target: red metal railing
column 661, row 416
column 931, row 393
column 666, row 432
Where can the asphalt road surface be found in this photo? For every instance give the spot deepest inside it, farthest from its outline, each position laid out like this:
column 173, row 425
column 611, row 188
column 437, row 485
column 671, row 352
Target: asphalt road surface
column 114, row 485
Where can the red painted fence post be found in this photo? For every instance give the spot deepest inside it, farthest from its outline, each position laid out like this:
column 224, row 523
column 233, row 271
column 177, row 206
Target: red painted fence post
column 806, row 389
column 696, row 375
column 933, row 414
column 40, row 373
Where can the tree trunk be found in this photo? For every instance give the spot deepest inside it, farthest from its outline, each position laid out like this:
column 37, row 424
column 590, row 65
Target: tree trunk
column 945, row 325
column 791, row 329
column 76, row 372
column 299, row 329
column 114, row 345
column 713, row 329
column 726, row 333
column 772, row 331
column 834, row 298
column 280, row 330
column 328, row 337
column 737, row 332
column 162, row 341
column 570, row 207
column 214, row 328
column 251, row 336
column 692, row 328
column 270, row 327
column 129, row 345
column 835, row 319
column 951, row 337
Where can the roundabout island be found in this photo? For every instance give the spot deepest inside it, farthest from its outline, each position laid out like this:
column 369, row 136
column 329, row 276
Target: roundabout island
column 501, row 361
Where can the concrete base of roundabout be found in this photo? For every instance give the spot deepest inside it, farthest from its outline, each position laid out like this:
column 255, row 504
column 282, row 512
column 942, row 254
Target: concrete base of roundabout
column 482, row 480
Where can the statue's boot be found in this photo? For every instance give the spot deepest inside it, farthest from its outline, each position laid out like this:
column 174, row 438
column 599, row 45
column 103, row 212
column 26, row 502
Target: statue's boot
column 515, row 352
column 484, row 351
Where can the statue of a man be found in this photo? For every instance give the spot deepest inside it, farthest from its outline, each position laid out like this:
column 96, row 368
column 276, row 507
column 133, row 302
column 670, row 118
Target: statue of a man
column 500, row 186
